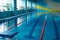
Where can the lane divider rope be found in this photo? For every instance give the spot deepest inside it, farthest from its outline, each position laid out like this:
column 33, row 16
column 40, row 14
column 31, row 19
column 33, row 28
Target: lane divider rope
column 16, row 24
column 44, row 25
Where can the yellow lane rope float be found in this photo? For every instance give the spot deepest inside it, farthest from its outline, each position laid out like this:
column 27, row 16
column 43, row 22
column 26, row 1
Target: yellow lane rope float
column 47, row 9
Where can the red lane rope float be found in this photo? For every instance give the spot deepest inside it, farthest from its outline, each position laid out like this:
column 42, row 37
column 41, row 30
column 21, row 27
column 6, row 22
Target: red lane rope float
column 15, row 25
column 44, row 25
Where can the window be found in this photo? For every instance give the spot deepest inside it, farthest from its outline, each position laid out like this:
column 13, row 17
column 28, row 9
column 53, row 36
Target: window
column 28, row 4
column 20, row 4
column 6, row 5
column 34, row 5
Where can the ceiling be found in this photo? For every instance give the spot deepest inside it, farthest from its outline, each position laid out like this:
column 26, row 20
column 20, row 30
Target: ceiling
column 39, row 2
column 58, row 1
column 55, row 4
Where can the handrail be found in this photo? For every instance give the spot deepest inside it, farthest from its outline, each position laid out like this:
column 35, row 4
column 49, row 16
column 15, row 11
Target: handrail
column 15, row 16
column 18, row 23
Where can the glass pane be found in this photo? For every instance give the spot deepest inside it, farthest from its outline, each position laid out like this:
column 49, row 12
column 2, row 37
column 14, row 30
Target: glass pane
column 10, row 4
column 6, row 5
column 34, row 5
column 20, row 4
column 28, row 4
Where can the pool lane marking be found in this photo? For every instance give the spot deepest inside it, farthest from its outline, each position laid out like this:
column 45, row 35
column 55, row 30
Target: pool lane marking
column 56, row 29
column 32, row 30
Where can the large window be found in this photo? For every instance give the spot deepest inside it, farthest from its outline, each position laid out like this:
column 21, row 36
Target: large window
column 20, row 4
column 28, row 4
column 6, row 5
column 34, row 5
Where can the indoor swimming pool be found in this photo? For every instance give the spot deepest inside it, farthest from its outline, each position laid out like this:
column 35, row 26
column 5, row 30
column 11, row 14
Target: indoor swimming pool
column 29, row 20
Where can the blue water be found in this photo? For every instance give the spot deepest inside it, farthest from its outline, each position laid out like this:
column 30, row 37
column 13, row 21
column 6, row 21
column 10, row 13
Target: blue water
column 51, row 31
column 31, row 30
